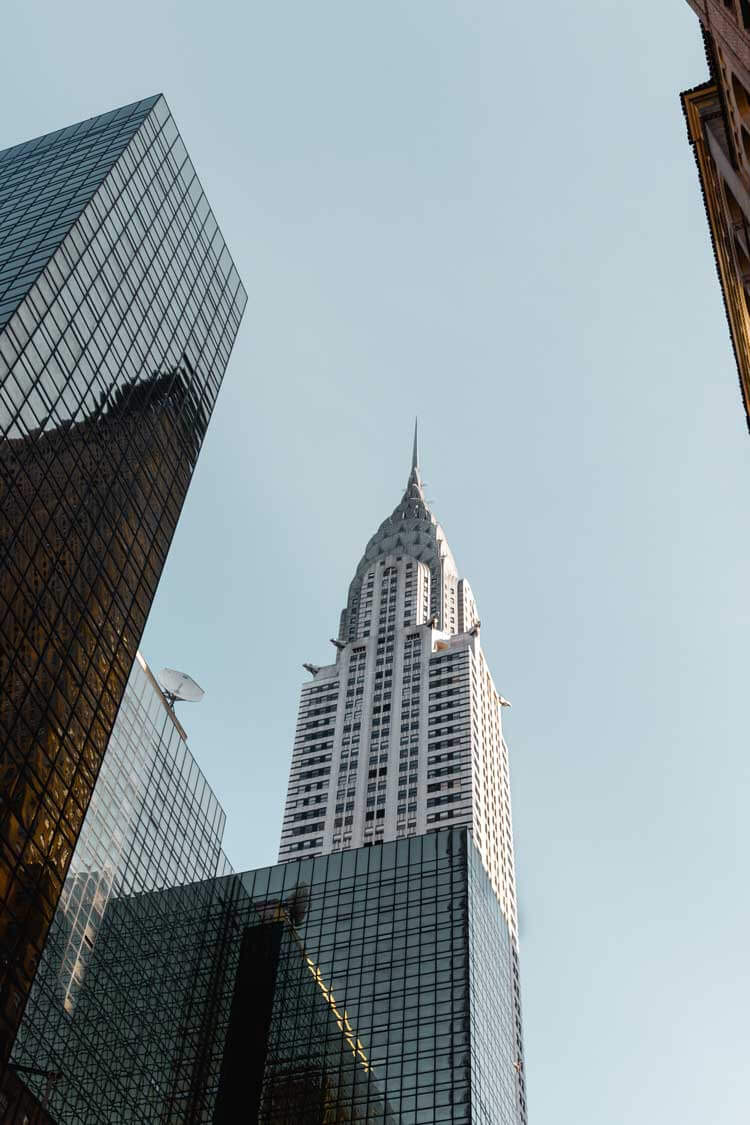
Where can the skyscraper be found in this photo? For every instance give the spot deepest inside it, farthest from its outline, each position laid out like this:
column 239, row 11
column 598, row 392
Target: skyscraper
column 718, row 122
column 119, row 305
column 402, row 735
column 370, row 985
column 153, row 823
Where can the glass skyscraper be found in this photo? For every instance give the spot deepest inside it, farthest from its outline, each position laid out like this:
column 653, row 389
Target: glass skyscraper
column 153, row 822
column 119, row 305
column 373, row 985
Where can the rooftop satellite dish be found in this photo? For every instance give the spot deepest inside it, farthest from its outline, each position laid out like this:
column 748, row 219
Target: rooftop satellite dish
column 179, row 686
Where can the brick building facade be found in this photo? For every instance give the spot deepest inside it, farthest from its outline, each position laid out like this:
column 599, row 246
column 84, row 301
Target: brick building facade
column 718, row 121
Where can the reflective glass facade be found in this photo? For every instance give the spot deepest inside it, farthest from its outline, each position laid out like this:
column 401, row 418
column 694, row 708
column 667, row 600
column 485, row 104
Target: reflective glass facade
column 369, row 985
column 18, row 1106
column 45, row 184
column 120, row 305
column 152, row 823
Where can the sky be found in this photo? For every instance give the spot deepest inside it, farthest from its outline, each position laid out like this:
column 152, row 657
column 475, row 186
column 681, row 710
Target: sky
column 487, row 214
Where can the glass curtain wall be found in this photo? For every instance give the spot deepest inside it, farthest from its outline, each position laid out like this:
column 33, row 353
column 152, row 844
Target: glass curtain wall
column 369, row 985
column 119, row 305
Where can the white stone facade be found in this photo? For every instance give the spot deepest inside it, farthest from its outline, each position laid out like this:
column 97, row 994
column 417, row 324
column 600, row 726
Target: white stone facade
column 402, row 735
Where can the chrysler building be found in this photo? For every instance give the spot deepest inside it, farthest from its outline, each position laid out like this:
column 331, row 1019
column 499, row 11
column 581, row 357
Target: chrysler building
column 402, row 735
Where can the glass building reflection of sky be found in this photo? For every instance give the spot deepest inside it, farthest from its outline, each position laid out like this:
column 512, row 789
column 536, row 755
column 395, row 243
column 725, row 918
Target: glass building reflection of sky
column 153, row 823
column 369, row 985
column 119, row 306
column 45, row 184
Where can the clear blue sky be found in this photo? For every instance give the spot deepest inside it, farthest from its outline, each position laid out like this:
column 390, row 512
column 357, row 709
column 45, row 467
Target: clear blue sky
column 486, row 213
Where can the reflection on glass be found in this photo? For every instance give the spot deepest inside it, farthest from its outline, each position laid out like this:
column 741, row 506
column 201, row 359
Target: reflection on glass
column 112, row 350
column 371, row 985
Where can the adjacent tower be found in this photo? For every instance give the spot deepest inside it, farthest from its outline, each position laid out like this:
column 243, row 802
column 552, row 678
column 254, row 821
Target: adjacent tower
column 153, row 823
column 402, row 735
column 718, row 121
column 119, row 306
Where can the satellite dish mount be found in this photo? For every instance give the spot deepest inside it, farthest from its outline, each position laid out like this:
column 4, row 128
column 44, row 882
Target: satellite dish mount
column 179, row 687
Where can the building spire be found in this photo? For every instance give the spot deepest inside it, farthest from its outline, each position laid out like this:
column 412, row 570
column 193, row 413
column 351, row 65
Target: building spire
column 415, row 480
